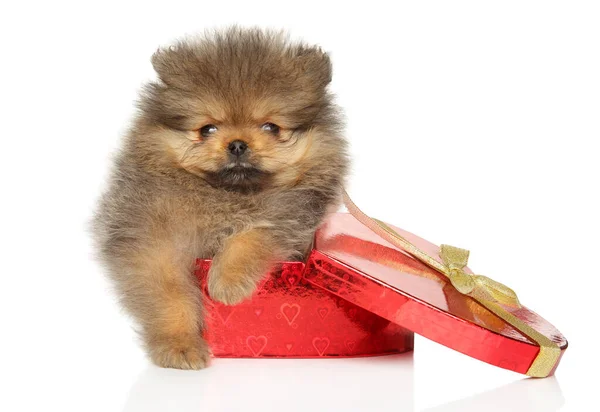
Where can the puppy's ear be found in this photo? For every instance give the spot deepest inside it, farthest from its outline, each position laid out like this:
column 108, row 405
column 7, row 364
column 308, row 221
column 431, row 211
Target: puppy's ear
column 168, row 63
column 314, row 65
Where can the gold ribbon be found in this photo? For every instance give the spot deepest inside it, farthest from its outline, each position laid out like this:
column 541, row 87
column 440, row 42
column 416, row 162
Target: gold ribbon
column 491, row 294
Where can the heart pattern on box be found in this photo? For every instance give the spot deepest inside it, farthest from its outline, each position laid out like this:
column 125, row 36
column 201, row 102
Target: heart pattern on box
column 323, row 312
column 290, row 312
column 291, row 278
column 321, row 345
column 256, row 344
column 225, row 312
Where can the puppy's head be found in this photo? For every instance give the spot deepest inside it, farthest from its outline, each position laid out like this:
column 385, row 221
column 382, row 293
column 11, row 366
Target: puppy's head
column 243, row 109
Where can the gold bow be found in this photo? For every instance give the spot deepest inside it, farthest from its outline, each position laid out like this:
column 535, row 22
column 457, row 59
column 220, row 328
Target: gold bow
column 477, row 286
column 491, row 294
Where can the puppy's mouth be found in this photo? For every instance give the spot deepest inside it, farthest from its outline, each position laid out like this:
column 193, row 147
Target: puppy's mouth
column 240, row 176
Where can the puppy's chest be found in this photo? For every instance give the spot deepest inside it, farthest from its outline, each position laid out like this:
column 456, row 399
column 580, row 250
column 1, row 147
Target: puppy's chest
column 214, row 225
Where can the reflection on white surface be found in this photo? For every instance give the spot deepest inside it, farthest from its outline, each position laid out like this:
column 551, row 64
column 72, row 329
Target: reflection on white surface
column 275, row 385
column 526, row 395
column 364, row 384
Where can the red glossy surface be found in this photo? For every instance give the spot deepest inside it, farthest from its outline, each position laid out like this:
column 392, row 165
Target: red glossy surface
column 289, row 317
column 357, row 265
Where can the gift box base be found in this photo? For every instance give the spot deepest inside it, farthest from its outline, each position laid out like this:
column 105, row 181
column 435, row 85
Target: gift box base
column 288, row 317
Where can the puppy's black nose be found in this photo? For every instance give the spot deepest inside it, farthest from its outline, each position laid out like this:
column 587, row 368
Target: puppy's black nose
column 237, row 147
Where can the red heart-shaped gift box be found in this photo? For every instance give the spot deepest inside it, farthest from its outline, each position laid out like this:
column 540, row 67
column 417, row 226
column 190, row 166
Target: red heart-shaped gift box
column 359, row 294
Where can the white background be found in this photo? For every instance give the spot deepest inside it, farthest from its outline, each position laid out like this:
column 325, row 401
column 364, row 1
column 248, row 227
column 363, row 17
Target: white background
column 471, row 123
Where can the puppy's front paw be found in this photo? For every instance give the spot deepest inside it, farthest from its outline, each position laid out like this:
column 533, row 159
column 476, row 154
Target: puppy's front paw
column 230, row 286
column 180, row 353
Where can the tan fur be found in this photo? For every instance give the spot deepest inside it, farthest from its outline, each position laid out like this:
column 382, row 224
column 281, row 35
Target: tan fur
column 243, row 260
column 175, row 195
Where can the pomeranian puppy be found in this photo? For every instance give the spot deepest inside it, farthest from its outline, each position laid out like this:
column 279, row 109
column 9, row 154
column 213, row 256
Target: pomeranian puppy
column 236, row 155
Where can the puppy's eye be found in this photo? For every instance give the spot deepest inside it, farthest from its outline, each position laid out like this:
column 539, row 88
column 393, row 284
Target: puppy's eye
column 271, row 128
column 207, row 130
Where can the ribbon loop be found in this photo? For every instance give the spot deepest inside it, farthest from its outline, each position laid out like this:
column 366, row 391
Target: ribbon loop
column 455, row 260
column 454, row 256
column 500, row 292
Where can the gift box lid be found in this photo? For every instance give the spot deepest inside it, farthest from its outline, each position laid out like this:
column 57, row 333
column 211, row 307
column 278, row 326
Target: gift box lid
column 398, row 276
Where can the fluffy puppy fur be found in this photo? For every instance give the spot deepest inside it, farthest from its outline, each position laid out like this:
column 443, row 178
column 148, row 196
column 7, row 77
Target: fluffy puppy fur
column 236, row 155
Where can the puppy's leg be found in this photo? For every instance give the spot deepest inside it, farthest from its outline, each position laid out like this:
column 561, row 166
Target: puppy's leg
column 161, row 292
column 243, row 260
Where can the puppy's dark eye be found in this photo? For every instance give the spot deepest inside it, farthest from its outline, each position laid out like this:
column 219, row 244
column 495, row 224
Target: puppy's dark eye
column 207, row 130
column 271, row 128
